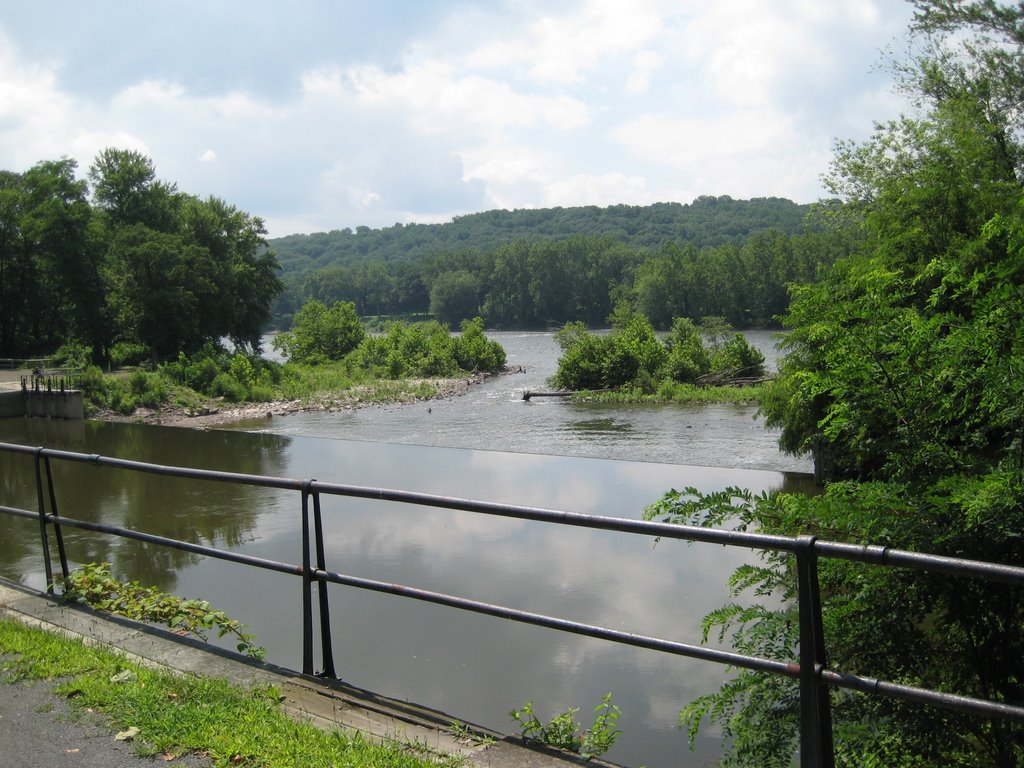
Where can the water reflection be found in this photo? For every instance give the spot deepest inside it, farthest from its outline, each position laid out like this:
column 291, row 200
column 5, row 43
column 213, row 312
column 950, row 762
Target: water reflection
column 472, row 666
column 195, row 511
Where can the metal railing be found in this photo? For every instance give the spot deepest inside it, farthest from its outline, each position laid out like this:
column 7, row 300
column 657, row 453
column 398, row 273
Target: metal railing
column 815, row 679
column 16, row 363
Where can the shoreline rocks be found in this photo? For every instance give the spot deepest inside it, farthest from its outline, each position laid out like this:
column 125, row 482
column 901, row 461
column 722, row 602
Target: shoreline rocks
column 346, row 400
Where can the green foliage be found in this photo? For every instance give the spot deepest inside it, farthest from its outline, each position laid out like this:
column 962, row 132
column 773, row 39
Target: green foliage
column 235, row 377
column 737, row 356
column 475, row 352
column 687, row 358
column 93, row 584
column 71, row 355
column 632, row 357
column 563, row 732
column 126, row 353
column 320, row 334
column 905, row 360
column 886, row 623
column 545, row 268
column 455, row 296
column 147, row 388
column 427, row 350
column 143, row 263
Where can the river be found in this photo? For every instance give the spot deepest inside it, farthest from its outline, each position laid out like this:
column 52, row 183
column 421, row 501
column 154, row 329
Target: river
column 489, row 444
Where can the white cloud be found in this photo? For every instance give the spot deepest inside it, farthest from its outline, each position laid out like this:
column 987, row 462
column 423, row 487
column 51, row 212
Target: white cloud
column 33, row 112
column 559, row 49
column 645, row 64
column 744, row 154
column 606, row 189
column 523, row 104
column 438, row 98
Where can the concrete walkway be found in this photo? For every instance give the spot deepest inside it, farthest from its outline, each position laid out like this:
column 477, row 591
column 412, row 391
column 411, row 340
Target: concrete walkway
column 34, row 737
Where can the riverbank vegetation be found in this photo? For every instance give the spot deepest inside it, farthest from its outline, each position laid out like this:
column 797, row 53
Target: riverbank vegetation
column 904, row 363
column 171, row 715
column 408, row 362
column 632, row 363
column 121, row 262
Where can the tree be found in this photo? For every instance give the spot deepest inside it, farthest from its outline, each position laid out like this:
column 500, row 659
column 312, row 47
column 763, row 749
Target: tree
column 687, row 356
column 631, row 355
column 125, row 188
column 159, row 286
column 454, row 296
column 51, row 290
column 906, row 360
column 474, row 351
column 181, row 271
column 320, row 334
column 245, row 270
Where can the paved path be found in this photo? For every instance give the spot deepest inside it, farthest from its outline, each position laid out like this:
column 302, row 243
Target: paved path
column 39, row 730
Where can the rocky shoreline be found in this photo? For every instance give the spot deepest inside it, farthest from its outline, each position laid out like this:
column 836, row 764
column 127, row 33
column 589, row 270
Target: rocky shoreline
column 219, row 413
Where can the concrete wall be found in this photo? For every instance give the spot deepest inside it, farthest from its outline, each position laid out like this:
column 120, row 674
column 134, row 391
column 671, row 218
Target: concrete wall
column 50, row 405
column 12, row 403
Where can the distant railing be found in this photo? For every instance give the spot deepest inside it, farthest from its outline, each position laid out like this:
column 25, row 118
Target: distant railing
column 18, row 363
column 816, row 746
column 52, row 379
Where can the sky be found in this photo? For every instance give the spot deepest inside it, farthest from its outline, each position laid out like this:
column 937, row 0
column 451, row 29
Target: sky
column 320, row 114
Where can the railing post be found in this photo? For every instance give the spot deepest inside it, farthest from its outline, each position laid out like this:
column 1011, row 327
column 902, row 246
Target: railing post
column 326, row 650
column 816, row 748
column 307, row 587
column 47, row 566
column 58, row 532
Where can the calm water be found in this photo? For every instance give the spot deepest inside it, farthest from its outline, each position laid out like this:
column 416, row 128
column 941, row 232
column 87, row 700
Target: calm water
column 493, row 416
column 488, row 445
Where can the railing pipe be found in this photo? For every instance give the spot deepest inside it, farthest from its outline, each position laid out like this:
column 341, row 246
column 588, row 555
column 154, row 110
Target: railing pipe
column 47, row 565
column 814, row 678
column 307, row 588
column 815, row 709
column 326, row 646
column 58, row 533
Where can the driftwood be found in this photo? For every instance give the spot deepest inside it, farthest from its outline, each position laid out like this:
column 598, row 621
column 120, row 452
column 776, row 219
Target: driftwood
column 561, row 393
column 528, row 394
column 731, row 378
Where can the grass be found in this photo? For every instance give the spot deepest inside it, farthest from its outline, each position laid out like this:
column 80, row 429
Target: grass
column 179, row 714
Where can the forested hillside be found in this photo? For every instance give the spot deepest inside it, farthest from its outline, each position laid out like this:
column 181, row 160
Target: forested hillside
column 538, row 268
column 707, row 221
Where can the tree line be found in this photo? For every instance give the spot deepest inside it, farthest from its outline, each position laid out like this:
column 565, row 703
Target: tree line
column 707, row 221
column 539, row 283
column 125, row 264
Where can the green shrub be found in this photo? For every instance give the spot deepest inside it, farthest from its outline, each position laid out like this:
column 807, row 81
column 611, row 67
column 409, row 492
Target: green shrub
column 563, row 732
column 228, row 387
column 582, row 365
column 631, row 354
column 320, row 334
column 475, row 352
column 125, row 353
column 687, row 356
column 736, row 354
column 93, row 384
column 71, row 354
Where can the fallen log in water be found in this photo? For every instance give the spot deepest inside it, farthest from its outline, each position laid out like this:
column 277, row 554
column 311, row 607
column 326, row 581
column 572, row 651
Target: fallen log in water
column 528, row 394
column 561, row 393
